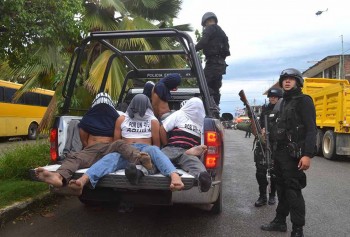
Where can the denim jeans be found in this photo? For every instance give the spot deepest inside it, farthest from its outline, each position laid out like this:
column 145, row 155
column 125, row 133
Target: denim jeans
column 161, row 161
column 113, row 161
column 107, row 164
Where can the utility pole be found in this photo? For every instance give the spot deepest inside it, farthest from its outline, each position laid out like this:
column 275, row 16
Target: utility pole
column 342, row 59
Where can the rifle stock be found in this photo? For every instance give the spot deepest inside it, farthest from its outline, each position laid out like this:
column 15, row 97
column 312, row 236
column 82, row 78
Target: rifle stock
column 256, row 129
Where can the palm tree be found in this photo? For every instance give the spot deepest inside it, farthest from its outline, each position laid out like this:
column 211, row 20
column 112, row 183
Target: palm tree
column 49, row 63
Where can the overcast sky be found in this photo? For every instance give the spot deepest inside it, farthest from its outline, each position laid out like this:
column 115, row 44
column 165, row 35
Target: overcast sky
column 267, row 36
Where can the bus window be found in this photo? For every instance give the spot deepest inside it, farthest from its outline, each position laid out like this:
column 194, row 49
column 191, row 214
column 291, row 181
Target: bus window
column 1, row 93
column 8, row 94
column 31, row 98
column 45, row 100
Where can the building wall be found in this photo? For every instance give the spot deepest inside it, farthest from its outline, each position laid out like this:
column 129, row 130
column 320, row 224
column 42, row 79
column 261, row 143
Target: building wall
column 347, row 67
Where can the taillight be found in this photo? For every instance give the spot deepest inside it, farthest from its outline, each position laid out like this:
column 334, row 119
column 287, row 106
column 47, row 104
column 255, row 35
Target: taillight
column 53, row 144
column 213, row 141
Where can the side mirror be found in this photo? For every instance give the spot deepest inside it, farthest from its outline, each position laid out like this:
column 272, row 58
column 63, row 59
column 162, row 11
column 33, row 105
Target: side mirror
column 227, row 117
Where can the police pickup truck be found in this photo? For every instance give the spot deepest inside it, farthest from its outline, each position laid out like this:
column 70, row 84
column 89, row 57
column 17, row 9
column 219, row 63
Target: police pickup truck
column 152, row 189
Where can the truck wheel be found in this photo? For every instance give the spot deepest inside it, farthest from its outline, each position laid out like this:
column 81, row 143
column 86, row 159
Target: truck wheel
column 319, row 138
column 328, row 145
column 217, row 207
column 33, row 131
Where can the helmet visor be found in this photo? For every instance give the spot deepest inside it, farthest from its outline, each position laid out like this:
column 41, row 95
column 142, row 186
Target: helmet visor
column 289, row 72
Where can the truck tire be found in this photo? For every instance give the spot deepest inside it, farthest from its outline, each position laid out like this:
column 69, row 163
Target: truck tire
column 33, row 131
column 319, row 138
column 217, row 205
column 328, row 145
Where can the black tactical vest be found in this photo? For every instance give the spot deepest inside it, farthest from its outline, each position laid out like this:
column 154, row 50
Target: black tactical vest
column 218, row 44
column 289, row 124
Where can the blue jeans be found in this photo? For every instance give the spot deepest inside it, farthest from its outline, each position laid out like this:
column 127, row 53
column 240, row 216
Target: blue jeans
column 113, row 161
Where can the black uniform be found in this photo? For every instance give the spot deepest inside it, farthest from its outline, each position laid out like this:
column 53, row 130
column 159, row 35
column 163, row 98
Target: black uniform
column 260, row 161
column 296, row 137
column 214, row 43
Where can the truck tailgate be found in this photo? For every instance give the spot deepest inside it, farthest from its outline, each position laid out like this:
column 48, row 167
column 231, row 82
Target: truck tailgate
column 118, row 180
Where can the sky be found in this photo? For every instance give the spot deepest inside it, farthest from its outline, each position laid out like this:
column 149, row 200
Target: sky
column 267, row 36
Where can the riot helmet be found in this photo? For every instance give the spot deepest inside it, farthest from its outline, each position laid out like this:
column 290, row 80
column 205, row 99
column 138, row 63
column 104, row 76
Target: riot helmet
column 275, row 92
column 207, row 16
column 292, row 72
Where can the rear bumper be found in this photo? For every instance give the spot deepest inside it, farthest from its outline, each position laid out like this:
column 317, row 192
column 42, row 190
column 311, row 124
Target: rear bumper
column 115, row 185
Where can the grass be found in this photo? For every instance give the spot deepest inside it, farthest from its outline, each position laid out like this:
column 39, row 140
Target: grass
column 15, row 182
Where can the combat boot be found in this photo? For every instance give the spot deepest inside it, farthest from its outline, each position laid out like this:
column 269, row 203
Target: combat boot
column 278, row 224
column 261, row 201
column 272, row 200
column 297, row 231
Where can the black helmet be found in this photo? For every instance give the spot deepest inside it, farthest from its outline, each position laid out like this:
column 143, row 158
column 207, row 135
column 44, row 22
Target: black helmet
column 276, row 92
column 292, row 72
column 207, row 16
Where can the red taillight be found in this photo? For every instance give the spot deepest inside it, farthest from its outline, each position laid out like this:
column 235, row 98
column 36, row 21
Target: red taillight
column 53, row 144
column 213, row 141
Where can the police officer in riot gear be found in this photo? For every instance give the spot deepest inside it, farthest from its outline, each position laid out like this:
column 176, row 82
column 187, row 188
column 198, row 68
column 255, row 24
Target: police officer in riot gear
column 215, row 46
column 274, row 94
column 296, row 141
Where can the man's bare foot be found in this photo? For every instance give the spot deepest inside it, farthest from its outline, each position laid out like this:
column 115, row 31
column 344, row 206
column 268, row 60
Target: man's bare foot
column 196, row 150
column 176, row 183
column 146, row 161
column 77, row 185
column 49, row 177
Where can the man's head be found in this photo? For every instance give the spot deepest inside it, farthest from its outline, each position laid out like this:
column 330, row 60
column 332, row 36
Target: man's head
column 147, row 89
column 209, row 18
column 291, row 78
column 274, row 94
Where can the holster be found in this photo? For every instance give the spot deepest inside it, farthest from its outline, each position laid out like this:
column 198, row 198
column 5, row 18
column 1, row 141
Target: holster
column 294, row 150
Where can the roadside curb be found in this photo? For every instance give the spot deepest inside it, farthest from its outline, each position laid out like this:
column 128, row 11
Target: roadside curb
column 9, row 213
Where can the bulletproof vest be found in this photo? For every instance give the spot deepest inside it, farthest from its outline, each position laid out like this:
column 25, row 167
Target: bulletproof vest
column 218, row 44
column 272, row 120
column 289, row 124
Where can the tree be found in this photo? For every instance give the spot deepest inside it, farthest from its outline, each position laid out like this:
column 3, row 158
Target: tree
column 38, row 38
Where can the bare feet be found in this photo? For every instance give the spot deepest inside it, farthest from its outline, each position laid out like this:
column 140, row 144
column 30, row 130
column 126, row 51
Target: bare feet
column 196, row 150
column 176, row 183
column 53, row 178
column 146, row 161
column 77, row 185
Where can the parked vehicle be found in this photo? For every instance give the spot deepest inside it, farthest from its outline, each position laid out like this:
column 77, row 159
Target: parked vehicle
column 332, row 102
column 22, row 117
column 153, row 189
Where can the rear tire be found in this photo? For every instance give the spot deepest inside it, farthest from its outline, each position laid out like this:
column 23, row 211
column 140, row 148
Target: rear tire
column 319, row 139
column 328, row 145
column 217, row 207
column 33, row 131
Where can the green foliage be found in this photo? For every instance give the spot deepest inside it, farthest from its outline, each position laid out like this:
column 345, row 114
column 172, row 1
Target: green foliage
column 29, row 25
column 17, row 163
column 17, row 190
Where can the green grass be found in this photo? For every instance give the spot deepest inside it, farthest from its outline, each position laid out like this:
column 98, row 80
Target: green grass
column 17, row 190
column 15, row 182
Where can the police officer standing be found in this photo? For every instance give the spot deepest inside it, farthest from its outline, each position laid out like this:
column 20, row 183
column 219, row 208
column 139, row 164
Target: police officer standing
column 215, row 46
column 274, row 94
column 296, row 140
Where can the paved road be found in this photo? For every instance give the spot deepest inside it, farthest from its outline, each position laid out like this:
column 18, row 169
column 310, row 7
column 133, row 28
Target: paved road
column 327, row 198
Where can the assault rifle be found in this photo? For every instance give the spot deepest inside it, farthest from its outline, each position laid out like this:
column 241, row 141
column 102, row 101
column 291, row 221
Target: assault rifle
column 268, row 154
column 256, row 128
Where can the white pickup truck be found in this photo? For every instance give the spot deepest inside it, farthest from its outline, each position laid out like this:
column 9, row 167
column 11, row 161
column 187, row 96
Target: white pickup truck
column 152, row 189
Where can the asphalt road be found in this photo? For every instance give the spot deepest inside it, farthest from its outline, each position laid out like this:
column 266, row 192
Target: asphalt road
column 327, row 199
